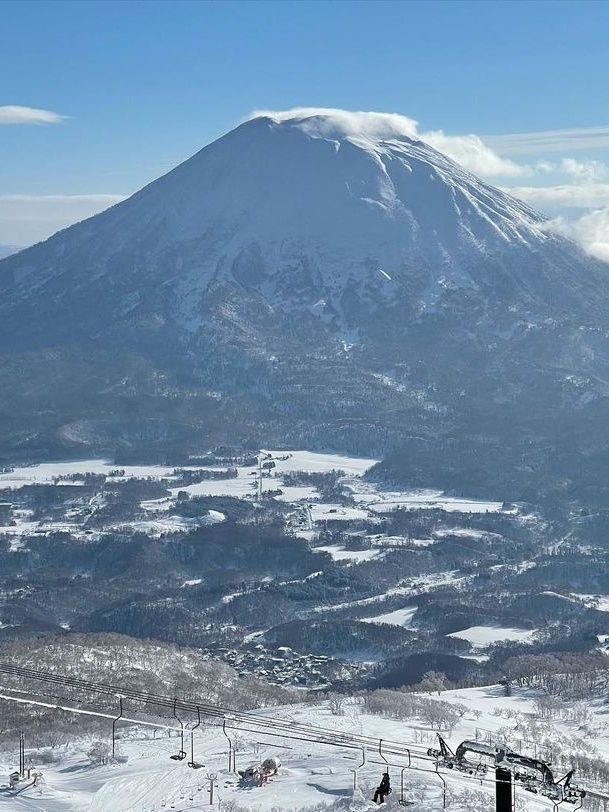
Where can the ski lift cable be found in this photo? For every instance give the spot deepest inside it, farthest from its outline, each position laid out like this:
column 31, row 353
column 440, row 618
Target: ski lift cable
column 169, row 727
column 329, row 742
column 98, row 714
column 209, row 710
column 272, row 728
column 301, row 736
column 146, row 723
column 302, row 732
column 83, row 712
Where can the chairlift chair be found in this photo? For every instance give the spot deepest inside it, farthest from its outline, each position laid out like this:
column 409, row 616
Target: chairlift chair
column 359, row 766
column 192, row 763
column 402, row 799
column 181, row 754
column 382, row 755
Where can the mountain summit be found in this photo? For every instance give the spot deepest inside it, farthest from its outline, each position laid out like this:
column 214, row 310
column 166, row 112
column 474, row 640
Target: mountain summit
column 322, row 277
column 304, row 209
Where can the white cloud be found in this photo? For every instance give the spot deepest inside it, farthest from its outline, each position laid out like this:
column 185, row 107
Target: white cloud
column 14, row 114
column 578, row 211
column 589, row 138
column 591, row 231
column 349, row 123
column 472, row 153
column 26, row 219
column 468, row 150
column 579, row 171
column 565, row 196
column 584, row 171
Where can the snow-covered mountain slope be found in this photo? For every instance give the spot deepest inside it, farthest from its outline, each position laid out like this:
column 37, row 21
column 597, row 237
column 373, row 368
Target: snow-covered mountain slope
column 315, row 776
column 308, row 278
column 306, row 212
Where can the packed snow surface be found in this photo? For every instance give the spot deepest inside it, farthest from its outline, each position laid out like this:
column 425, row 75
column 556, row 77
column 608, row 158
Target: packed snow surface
column 47, row 472
column 399, row 617
column 310, row 773
column 339, row 553
column 482, row 636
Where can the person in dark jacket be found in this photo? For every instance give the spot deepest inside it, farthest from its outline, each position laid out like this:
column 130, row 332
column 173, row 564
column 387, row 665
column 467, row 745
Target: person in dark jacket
column 383, row 789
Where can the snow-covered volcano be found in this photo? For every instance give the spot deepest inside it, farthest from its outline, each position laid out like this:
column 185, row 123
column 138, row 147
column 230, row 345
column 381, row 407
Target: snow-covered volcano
column 303, row 269
column 312, row 184
column 307, row 211
column 302, row 209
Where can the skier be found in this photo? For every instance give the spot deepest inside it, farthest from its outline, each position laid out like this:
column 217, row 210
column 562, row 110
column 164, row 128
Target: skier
column 383, row 789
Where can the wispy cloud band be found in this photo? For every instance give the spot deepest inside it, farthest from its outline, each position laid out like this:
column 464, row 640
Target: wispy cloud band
column 574, row 196
column 16, row 114
column 589, row 138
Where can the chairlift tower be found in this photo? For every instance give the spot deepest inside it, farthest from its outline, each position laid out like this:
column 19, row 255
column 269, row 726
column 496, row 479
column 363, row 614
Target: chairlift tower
column 22, row 754
column 504, row 790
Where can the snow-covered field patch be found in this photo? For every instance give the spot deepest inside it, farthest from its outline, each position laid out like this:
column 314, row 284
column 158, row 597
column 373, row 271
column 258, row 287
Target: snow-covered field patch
column 400, row 617
column 483, row 636
column 48, row 472
column 339, row 553
column 329, row 512
column 316, row 463
column 176, row 524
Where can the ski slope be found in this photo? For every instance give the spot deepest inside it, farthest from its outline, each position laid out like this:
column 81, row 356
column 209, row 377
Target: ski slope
column 311, row 776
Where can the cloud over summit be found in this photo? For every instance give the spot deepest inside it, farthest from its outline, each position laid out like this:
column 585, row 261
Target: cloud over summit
column 468, row 150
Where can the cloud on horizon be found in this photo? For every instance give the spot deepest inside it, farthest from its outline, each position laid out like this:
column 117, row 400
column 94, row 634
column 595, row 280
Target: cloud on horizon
column 27, row 219
column 564, row 196
column 591, row 231
column 16, row 114
column 590, row 138
column 565, row 204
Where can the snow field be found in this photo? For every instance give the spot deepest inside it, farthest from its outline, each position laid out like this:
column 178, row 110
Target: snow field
column 311, row 773
column 46, row 472
column 400, row 617
column 339, row 553
column 483, row 636
column 370, row 500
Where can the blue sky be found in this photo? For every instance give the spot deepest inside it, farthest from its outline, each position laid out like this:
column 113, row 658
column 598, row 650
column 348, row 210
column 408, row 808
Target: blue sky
column 142, row 85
